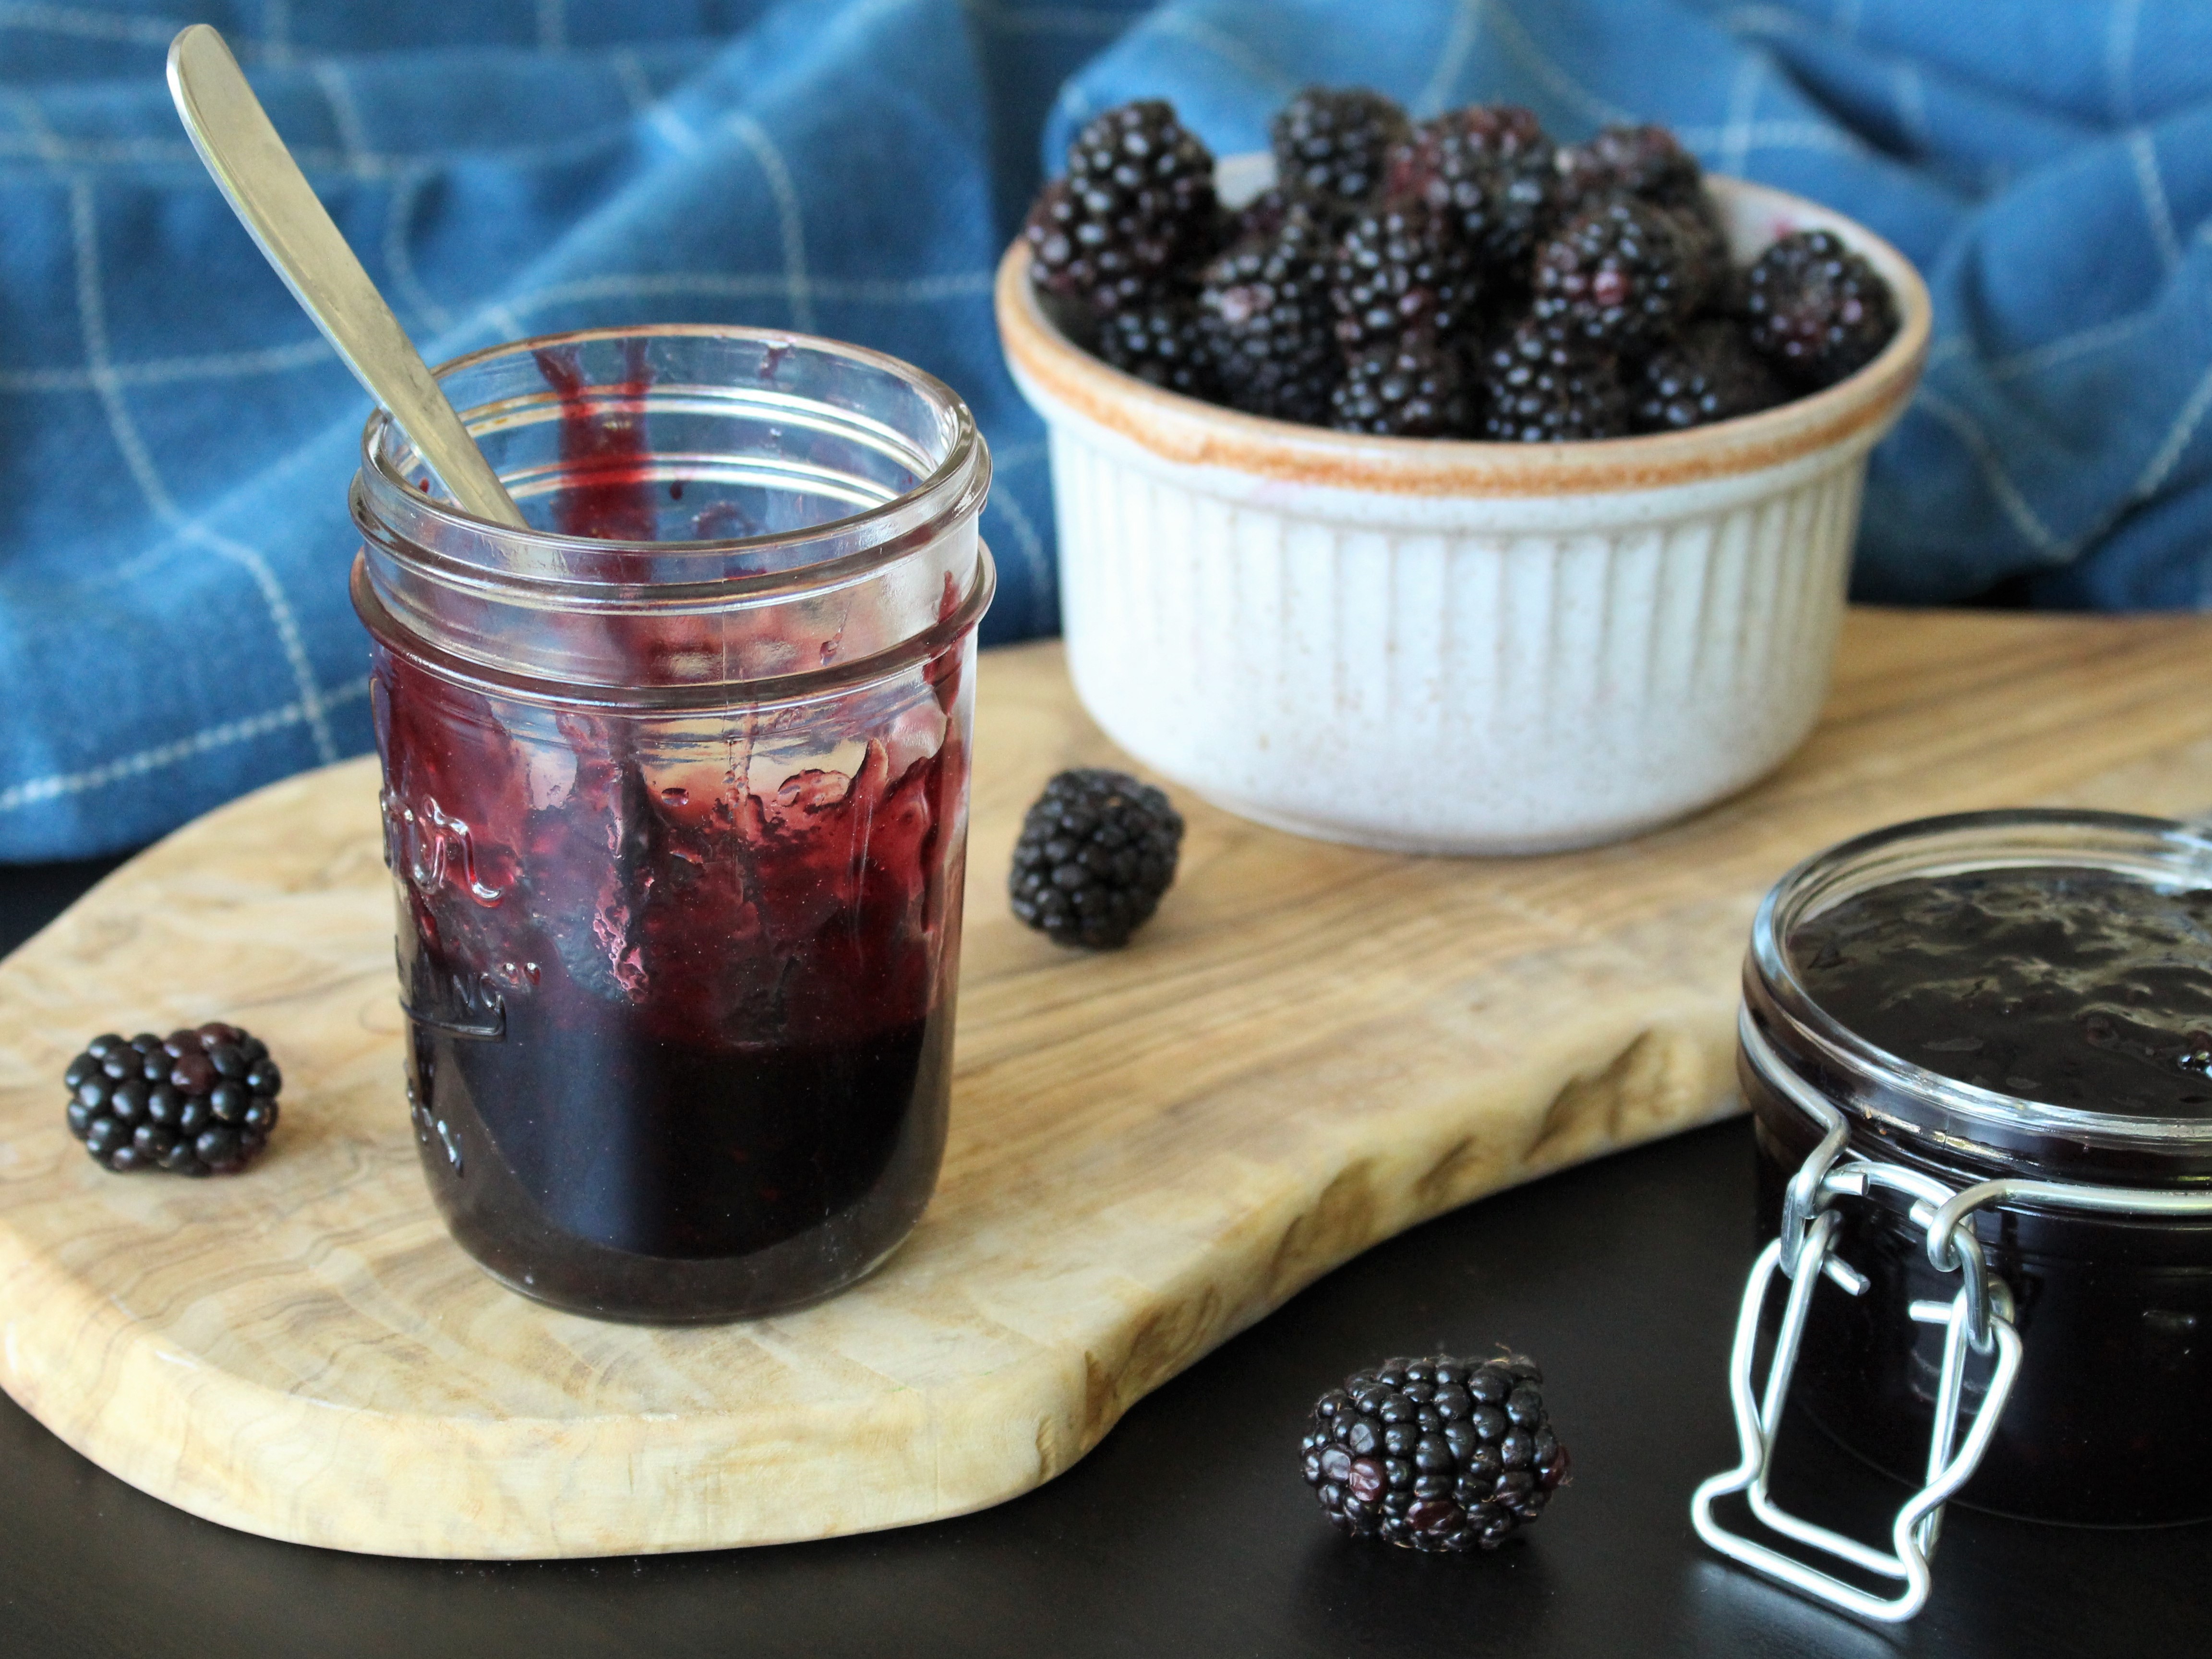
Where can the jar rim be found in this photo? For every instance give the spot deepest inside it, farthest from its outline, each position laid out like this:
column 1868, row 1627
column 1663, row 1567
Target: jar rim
column 2146, row 848
column 963, row 472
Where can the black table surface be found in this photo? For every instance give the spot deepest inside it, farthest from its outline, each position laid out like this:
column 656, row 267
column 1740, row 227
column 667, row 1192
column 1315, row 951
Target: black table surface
column 1190, row 1530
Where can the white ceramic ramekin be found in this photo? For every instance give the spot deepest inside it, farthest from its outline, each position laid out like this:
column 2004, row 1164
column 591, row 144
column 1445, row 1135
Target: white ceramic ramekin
column 1434, row 646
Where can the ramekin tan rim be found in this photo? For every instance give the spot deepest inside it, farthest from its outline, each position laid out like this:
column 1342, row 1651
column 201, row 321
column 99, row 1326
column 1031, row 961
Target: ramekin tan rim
column 1187, row 430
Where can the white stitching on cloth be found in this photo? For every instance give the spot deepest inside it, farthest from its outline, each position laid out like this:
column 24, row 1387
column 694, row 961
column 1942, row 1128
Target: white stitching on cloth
column 2052, row 353
column 636, row 85
column 132, row 152
column 1909, row 92
column 346, row 116
column 1776, row 134
column 504, row 320
column 2176, row 442
column 15, row 796
column 277, row 32
column 1517, row 39
column 1044, row 582
column 287, row 626
column 1743, row 104
column 1237, row 54
column 2143, row 150
column 1451, row 62
column 739, row 285
column 399, row 261
column 90, row 25
column 1968, row 432
column 789, row 220
column 92, row 317
column 2120, row 60
column 165, row 371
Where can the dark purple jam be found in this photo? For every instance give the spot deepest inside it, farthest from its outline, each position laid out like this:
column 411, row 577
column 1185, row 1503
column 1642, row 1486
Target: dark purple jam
column 2076, row 988
column 677, row 1050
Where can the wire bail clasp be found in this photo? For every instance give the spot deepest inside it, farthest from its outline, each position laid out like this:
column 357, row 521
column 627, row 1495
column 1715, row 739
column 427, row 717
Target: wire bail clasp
column 1979, row 1319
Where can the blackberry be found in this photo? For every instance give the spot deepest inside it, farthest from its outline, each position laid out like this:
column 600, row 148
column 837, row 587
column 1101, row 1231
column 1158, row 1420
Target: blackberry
column 1265, row 310
column 1818, row 311
column 196, row 1102
column 1622, row 274
column 1137, row 205
column 1647, row 162
column 1490, row 166
column 1537, row 389
column 1414, row 387
column 1704, row 241
column 1331, row 144
column 1440, row 1455
column 1162, row 342
column 1709, row 374
column 1400, row 270
column 1097, row 851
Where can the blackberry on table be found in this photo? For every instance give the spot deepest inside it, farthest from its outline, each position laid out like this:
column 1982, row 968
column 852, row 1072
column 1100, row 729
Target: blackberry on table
column 1818, row 311
column 1440, row 1455
column 1647, row 162
column 1331, row 144
column 1137, row 204
column 1413, row 387
column 1623, row 273
column 1163, row 342
column 199, row 1102
column 1709, row 374
column 1267, row 313
column 1404, row 268
column 1492, row 168
column 1097, row 851
column 1538, row 389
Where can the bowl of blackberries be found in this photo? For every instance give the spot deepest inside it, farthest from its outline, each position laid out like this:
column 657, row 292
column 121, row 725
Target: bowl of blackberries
column 1442, row 486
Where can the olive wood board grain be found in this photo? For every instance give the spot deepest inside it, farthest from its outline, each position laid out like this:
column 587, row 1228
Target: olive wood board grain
column 1309, row 1049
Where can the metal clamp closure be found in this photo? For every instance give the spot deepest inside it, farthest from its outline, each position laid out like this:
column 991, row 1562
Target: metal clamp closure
column 1979, row 1319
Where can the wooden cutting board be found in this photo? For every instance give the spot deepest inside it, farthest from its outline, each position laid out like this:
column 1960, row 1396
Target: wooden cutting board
column 1309, row 1050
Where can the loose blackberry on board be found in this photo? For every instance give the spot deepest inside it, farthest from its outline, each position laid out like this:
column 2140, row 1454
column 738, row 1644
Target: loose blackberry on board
column 1097, row 851
column 199, row 1102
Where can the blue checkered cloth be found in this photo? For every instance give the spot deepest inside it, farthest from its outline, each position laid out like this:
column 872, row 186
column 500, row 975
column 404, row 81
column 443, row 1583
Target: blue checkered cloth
column 176, row 439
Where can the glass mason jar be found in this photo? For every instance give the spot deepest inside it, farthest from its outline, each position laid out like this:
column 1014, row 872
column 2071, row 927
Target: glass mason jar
column 2106, row 1420
column 676, row 803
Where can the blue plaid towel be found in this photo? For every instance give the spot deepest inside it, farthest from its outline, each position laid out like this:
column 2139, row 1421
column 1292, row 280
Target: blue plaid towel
column 176, row 439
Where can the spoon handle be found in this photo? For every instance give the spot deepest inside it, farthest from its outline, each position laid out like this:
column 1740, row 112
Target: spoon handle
column 273, row 198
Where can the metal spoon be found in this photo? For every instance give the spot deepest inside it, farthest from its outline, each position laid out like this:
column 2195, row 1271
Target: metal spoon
column 272, row 197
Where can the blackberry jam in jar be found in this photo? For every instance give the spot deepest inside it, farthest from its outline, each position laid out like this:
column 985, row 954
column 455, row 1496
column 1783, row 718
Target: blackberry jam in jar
column 2019, row 998
column 675, row 802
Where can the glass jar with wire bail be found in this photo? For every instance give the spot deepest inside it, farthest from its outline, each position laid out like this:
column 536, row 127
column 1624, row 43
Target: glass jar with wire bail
column 1977, row 1051
column 675, row 802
